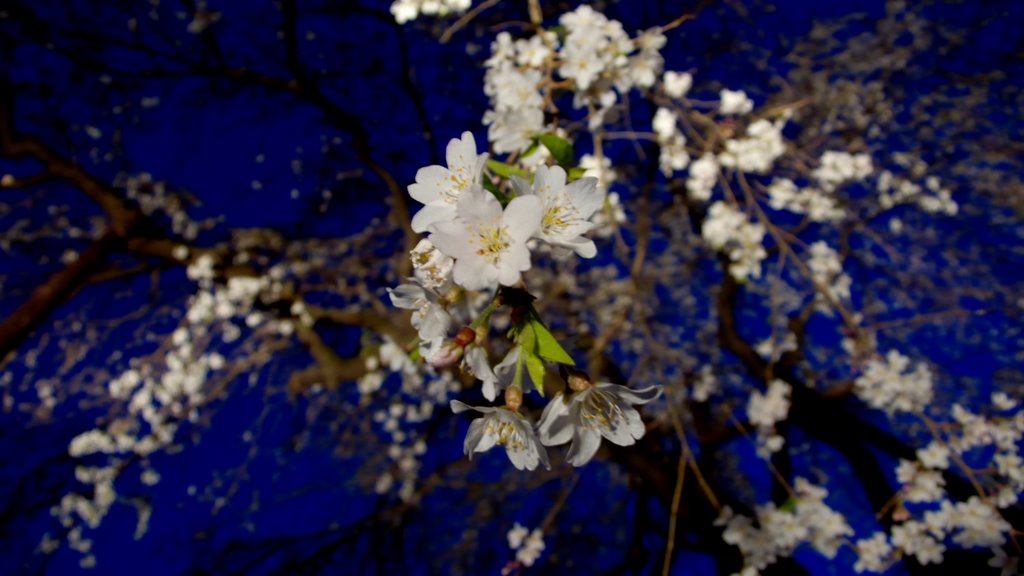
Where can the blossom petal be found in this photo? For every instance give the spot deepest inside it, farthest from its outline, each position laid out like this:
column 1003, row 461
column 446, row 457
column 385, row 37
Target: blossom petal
column 459, row 407
column 432, row 214
column 555, row 425
column 584, row 247
column 622, row 430
column 407, row 296
column 586, row 196
column 489, row 438
column 436, row 322
column 477, row 205
column 521, row 186
column 474, row 436
column 506, row 372
column 452, row 239
column 585, row 443
column 461, row 155
column 522, row 217
column 515, row 260
column 432, row 184
column 549, row 181
column 474, row 273
column 641, row 396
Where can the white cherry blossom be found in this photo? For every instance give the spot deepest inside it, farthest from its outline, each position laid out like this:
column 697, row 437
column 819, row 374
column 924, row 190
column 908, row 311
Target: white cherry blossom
column 488, row 244
column 584, row 417
column 503, row 427
column 438, row 188
column 567, row 209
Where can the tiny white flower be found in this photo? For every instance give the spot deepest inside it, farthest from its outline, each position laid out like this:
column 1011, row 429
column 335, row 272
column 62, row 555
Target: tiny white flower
column 503, row 427
column 567, row 209
column 735, row 102
column 677, row 84
column 488, row 244
column 601, row 410
column 439, row 188
column 517, row 535
column 433, row 268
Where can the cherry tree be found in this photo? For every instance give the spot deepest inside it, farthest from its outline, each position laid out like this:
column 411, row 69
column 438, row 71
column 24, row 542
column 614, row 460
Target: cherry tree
column 596, row 292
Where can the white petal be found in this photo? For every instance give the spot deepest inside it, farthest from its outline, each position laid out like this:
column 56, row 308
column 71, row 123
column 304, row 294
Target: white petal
column 489, row 437
column 432, row 214
column 642, row 396
column 461, row 154
column 436, row 322
column 474, row 273
column 585, row 443
column 522, row 217
column 549, row 181
column 555, row 426
column 622, row 430
column 529, row 454
column 515, row 259
column 584, row 247
column 407, row 296
column 521, row 186
column 431, row 184
column 459, row 407
column 586, row 196
column 542, row 454
column 473, row 437
column 634, row 424
column 490, row 389
column 477, row 205
column 452, row 239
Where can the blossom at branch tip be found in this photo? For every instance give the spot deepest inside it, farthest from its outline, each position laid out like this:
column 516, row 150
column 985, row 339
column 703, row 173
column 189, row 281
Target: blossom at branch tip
column 584, row 417
column 488, row 243
column 567, row 208
column 439, row 188
column 503, row 427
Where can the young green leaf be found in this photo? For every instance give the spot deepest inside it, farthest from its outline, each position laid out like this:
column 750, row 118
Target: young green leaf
column 528, row 356
column 547, row 345
column 560, row 148
column 506, row 170
column 536, row 367
column 575, row 173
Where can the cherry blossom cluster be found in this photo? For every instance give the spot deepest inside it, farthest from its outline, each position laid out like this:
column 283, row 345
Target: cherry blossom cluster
column 528, row 545
column 805, row 519
column 479, row 245
column 406, row 10
column 593, row 56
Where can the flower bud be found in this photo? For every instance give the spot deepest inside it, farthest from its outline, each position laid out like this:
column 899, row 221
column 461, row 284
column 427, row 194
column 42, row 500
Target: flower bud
column 446, row 355
column 513, row 397
column 578, row 381
column 465, row 337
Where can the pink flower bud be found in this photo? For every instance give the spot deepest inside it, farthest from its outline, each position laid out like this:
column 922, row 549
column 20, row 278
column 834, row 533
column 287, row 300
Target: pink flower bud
column 445, row 356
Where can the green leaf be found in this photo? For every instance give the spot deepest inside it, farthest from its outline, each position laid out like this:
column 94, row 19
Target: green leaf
column 536, row 367
column 528, row 356
column 560, row 148
column 547, row 345
column 530, row 149
column 505, row 170
column 576, row 173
